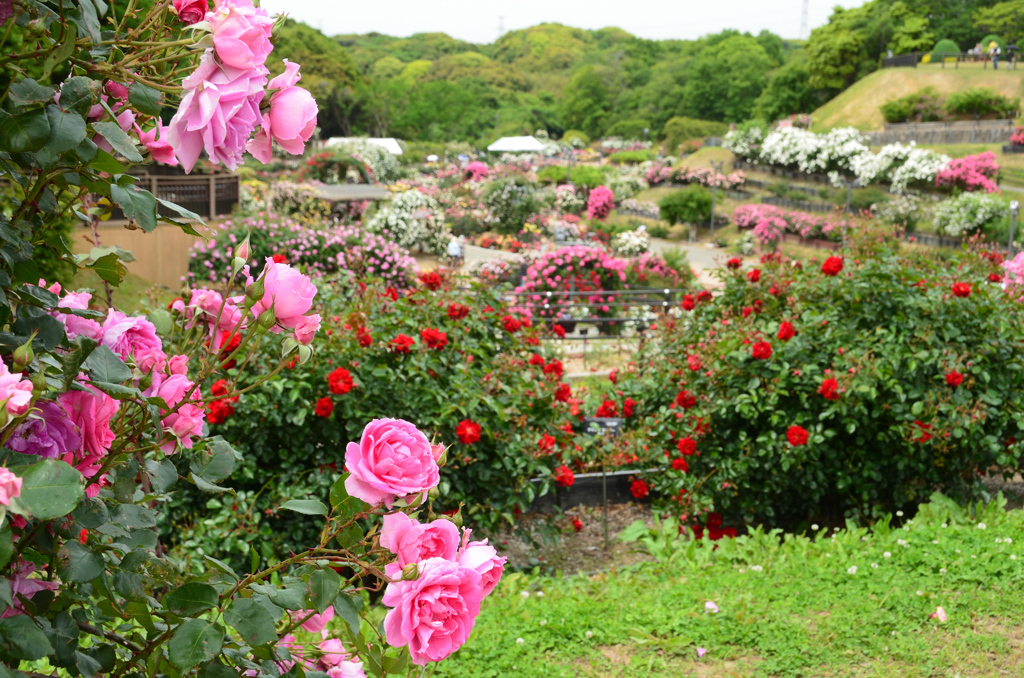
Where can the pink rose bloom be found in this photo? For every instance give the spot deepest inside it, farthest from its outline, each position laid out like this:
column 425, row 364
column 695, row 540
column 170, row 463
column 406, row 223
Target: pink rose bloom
column 182, row 424
column 73, row 325
column 150, row 360
column 116, row 90
column 291, row 119
column 413, row 541
column 191, row 11
column 172, row 389
column 307, row 329
column 219, row 110
column 392, row 458
column 160, row 150
column 10, row 486
column 126, row 119
column 289, row 293
column 124, row 335
column 347, row 669
column 334, row 652
column 15, row 392
column 241, row 33
column 317, row 622
column 91, row 411
column 22, row 584
column 482, row 558
column 434, row 614
column 178, row 365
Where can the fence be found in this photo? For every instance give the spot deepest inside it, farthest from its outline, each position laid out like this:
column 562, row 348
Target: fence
column 556, row 307
column 798, row 204
column 206, row 195
column 962, row 132
column 912, row 59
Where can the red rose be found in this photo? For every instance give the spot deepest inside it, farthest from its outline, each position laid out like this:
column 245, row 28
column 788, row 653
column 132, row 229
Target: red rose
column 607, row 409
column 191, row 11
column 457, row 312
column 564, row 477
column 796, row 435
column 554, row 367
column 639, row 489
column 830, row 389
column 679, row 464
column 431, row 279
column 536, row 360
column 628, row 407
column 340, row 381
column 324, row 407
column 401, row 343
column 219, row 410
column 434, row 339
column 693, row 362
column 688, row 302
column 786, row 331
column 753, row 275
column 734, row 263
column 577, row 524
column 703, row 296
column 364, row 338
column 510, row 324
column 279, row 259
column 532, row 341
column 558, row 331
column 923, row 434
column 685, row 399
column 467, row 431
column 219, row 388
column 995, row 277
column 563, row 393
column 747, row 310
column 762, row 350
column 714, row 520
column 687, row 446
column 832, row 266
column 954, row 379
column 961, row 289
column 546, row 444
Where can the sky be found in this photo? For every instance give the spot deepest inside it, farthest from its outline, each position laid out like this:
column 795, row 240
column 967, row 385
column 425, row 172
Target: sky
column 479, row 20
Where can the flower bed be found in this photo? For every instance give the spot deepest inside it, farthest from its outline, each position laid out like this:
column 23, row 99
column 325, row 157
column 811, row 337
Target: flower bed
column 412, row 219
column 769, row 223
column 663, row 174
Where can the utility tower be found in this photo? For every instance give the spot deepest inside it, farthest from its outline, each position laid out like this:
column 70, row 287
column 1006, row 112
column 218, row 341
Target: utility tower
column 501, row 26
column 803, row 22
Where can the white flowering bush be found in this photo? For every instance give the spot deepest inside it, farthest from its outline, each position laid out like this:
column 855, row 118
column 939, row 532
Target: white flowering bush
column 413, row 219
column 383, row 166
column 631, row 243
column 969, row 213
column 920, row 166
column 569, row 199
column 628, row 182
column 744, row 143
column 903, row 210
column 642, row 209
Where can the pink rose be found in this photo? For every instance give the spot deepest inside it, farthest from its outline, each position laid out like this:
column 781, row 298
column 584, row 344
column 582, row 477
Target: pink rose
column 435, row 613
column 160, row 150
column 413, row 541
column 182, row 424
column 334, row 652
column 124, row 335
column 10, row 486
column 482, row 558
column 150, row 360
column 393, row 458
column 191, row 11
column 91, row 410
column 22, row 585
column 317, row 622
column 116, row 90
column 219, row 110
column 73, row 325
column 172, row 389
column 178, row 365
column 288, row 292
column 15, row 392
column 241, row 33
column 347, row 669
column 291, row 119
column 307, row 329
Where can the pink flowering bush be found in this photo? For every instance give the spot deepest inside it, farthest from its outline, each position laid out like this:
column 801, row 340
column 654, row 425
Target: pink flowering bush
column 971, row 173
column 600, row 203
column 1017, row 138
column 770, row 223
column 703, row 176
column 476, row 171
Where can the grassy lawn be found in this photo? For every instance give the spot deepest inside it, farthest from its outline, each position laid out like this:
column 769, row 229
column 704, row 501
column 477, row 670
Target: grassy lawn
column 133, row 295
column 845, row 603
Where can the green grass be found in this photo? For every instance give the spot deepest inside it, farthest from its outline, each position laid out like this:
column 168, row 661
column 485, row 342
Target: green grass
column 803, row 614
column 134, row 294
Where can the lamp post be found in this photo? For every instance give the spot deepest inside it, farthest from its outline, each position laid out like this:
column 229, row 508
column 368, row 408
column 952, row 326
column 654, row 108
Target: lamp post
column 1014, row 211
column 717, row 166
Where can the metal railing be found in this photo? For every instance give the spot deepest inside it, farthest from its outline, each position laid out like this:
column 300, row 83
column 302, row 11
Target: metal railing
column 206, row 195
column 912, row 59
column 553, row 306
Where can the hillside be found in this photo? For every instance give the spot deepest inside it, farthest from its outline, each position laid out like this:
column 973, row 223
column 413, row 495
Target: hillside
column 858, row 105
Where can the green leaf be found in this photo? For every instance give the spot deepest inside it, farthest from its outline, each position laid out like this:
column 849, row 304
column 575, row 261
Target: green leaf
column 20, row 638
column 38, row 296
column 252, row 621
column 223, row 567
column 6, row 543
column 347, row 608
column 207, row 486
column 63, row 636
column 196, row 641
column 105, row 162
column 145, row 99
column 137, row 204
column 48, row 330
column 50, row 489
column 119, row 140
column 78, row 563
column 90, row 514
column 324, row 586
column 110, row 268
column 190, row 599
column 133, row 516
column 67, row 130
column 215, row 462
column 163, row 473
column 25, row 132
column 181, row 211
column 86, row 151
column 66, row 49
column 78, row 94
column 27, row 92
column 309, row 507
column 117, row 391
column 338, row 491
column 105, row 365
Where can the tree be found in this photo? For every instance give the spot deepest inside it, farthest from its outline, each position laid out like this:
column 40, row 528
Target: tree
column 723, row 83
column 1005, row 19
column 911, row 33
column 586, row 101
column 789, row 91
column 848, row 46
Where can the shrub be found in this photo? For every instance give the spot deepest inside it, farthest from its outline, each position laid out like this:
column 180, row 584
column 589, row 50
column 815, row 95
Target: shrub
column 925, row 105
column 969, row 213
column 412, row 219
column 982, row 101
column 629, row 129
column 370, row 161
column 971, row 173
column 627, row 182
column 903, row 211
column 943, row 48
column 576, row 138
column 631, row 157
column 989, row 39
column 341, row 252
column 630, row 243
column 600, row 203
column 552, row 174
column 690, row 205
column 588, row 176
column 569, row 200
column 511, row 203
column 679, row 129
column 892, row 409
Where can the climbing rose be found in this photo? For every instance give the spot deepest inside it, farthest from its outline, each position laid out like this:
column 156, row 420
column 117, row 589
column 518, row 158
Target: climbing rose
column 479, row 556
column 753, row 275
column 564, row 476
column 291, row 119
column 786, row 331
column 639, row 489
column 434, row 338
column 91, row 410
column 315, row 622
column 832, row 266
column 340, row 381
column 190, row 11
column 159, row 149
column 829, row 389
column 687, row 446
column 307, row 328
column 324, row 407
column 49, row 433
column 413, row 541
column 954, row 379
column 127, row 335
column 10, row 486
column 241, row 33
column 468, row 431
column 762, row 350
column 434, row 613
column 401, row 343
column 392, row 459
column 15, row 392
column 796, row 436
column 961, row 289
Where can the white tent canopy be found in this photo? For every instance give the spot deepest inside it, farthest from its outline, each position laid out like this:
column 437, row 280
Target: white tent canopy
column 388, row 144
column 516, row 145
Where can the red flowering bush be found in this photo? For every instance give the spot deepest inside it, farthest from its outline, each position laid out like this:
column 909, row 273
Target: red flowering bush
column 434, row 338
column 832, row 266
column 563, row 476
column 639, row 489
column 796, row 435
column 960, row 289
column 761, row 350
column 468, row 431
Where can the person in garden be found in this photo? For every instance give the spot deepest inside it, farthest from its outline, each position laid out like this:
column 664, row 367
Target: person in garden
column 455, row 256
column 993, row 50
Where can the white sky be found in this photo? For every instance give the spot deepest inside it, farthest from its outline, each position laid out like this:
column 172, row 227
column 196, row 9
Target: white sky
column 478, row 20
